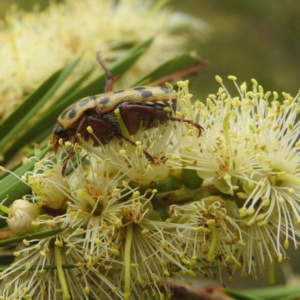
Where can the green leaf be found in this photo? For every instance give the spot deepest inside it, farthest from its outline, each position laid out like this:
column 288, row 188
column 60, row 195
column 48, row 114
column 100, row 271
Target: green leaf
column 31, row 236
column 175, row 68
column 40, row 129
column 16, row 121
column 71, row 89
column 279, row 292
column 39, row 267
column 242, row 295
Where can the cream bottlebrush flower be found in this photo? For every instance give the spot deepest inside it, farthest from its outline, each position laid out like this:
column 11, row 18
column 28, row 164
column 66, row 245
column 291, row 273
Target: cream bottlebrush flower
column 209, row 234
column 50, row 189
column 95, row 211
column 207, row 154
column 37, row 44
column 52, row 267
column 250, row 152
column 117, row 234
column 261, row 248
column 131, row 161
column 150, row 252
column 92, row 239
column 104, row 216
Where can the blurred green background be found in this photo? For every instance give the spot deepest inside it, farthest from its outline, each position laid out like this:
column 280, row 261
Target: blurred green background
column 248, row 39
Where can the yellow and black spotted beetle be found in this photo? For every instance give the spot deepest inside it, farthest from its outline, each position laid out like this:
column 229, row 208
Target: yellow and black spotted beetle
column 140, row 107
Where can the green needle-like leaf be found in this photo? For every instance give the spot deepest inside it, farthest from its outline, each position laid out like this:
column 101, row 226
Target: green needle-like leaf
column 279, row 292
column 40, row 129
column 242, row 295
column 31, row 236
column 173, row 69
column 40, row 267
column 21, row 116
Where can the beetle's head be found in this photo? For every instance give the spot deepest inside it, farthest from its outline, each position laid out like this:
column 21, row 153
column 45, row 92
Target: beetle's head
column 59, row 133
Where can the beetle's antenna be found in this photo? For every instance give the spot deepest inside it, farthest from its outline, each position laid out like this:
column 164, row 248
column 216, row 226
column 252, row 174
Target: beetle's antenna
column 110, row 79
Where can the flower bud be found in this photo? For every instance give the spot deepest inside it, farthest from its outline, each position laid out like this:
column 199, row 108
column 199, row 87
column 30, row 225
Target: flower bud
column 24, row 213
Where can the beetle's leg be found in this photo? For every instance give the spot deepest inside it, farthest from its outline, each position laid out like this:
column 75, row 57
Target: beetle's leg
column 161, row 115
column 130, row 115
column 93, row 121
column 198, row 126
column 110, row 79
column 81, row 129
column 64, row 166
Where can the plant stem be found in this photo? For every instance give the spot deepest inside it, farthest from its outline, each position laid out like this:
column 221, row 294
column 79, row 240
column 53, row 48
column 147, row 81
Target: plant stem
column 60, row 272
column 127, row 262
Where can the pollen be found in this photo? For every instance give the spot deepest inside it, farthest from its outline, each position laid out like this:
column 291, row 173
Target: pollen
column 35, row 223
column 26, row 242
column 149, row 168
column 254, row 81
column 37, row 247
column 26, row 160
column 89, row 129
column 115, row 252
column 169, row 85
column 58, row 243
column 68, row 144
column 122, row 152
column 233, row 78
column 98, row 241
column 218, row 79
column 136, row 195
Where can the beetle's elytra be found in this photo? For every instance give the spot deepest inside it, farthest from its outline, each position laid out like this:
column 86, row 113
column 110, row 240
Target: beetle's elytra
column 140, row 107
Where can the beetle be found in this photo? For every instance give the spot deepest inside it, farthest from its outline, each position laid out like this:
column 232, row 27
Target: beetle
column 140, row 107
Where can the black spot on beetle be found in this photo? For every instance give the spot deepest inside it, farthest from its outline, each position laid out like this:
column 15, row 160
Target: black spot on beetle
column 62, row 116
column 119, row 91
column 93, row 97
column 146, row 94
column 165, row 89
column 104, row 101
column 139, row 88
column 68, row 111
column 72, row 113
column 83, row 102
